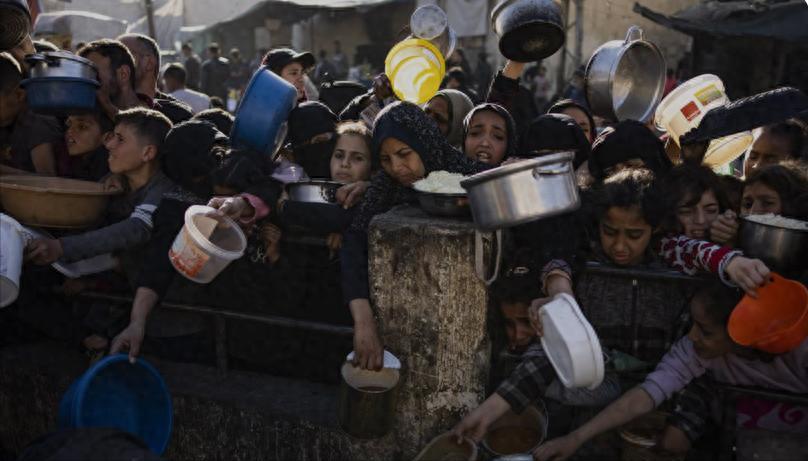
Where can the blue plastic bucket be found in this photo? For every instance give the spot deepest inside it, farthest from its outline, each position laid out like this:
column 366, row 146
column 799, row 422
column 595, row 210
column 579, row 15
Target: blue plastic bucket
column 60, row 95
column 260, row 123
column 116, row 393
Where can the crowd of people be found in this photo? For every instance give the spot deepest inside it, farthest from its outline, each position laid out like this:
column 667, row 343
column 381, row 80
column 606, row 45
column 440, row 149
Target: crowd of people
column 156, row 137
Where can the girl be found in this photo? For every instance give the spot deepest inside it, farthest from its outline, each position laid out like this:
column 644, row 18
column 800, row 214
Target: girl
column 627, row 144
column 779, row 189
column 489, row 134
column 407, row 145
column 707, row 349
column 776, row 143
column 695, row 197
column 449, row 108
column 579, row 113
column 84, row 138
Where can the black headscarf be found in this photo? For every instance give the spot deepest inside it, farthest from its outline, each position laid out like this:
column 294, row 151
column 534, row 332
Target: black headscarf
column 510, row 125
column 189, row 155
column 307, row 120
column 409, row 124
column 628, row 140
column 555, row 132
column 560, row 106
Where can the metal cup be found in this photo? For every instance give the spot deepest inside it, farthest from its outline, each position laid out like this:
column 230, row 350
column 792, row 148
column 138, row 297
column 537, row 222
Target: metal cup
column 367, row 401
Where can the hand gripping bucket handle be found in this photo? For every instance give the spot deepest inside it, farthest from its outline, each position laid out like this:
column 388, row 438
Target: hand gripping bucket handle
column 479, row 264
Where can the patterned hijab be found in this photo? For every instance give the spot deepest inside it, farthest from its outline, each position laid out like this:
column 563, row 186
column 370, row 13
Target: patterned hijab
column 410, row 125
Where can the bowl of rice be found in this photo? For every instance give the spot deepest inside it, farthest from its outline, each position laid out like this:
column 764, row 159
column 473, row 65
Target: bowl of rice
column 780, row 242
column 440, row 194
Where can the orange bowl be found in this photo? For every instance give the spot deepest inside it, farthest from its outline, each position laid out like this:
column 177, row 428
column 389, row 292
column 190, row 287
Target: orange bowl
column 776, row 321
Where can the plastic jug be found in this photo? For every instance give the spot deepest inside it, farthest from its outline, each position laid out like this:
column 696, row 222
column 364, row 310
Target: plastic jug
column 415, row 68
column 684, row 107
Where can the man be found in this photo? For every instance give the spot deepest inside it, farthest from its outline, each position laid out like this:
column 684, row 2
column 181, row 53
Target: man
column 116, row 72
column 340, row 62
column 324, row 70
column 214, row 74
column 239, row 71
column 174, row 78
column 192, row 66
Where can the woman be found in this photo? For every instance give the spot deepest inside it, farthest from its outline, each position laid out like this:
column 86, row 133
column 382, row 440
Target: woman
column 407, row 146
column 489, row 134
column 312, row 133
column 449, row 108
column 579, row 113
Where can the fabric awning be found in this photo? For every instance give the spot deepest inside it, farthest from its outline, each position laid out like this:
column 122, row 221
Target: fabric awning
column 777, row 19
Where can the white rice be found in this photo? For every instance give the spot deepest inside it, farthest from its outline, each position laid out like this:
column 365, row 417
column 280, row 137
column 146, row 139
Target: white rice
column 441, row 182
column 778, row 221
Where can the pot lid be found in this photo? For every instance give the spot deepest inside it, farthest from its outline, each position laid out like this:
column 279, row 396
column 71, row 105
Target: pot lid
column 527, row 164
column 51, row 55
column 390, row 360
column 571, row 343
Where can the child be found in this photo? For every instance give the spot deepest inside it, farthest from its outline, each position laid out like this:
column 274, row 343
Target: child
column 779, row 189
column 134, row 148
column 84, row 139
column 707, row 349
column 27, row 140
column 695, row 197
column 776, row 143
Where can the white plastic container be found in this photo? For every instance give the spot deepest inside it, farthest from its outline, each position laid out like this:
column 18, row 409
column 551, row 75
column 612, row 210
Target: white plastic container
column 571, row 343
column 12, row 243
column 200, row 254
column 684, row 107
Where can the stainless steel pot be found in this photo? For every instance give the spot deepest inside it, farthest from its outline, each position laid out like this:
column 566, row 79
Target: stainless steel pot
column 15, row 23
column 517, row 433
column 528, row 30
column 625, row 79
column 430, row 22
column 522, row 192
column 453, row 205
column 783, row 250
column 367, row 401
column 61, row 64
column 314, row 191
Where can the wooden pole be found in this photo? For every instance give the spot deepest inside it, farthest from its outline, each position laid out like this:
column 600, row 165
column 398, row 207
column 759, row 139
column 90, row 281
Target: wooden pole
column 150, row 18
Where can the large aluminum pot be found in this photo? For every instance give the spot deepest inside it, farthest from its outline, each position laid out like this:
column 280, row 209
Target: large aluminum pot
column 783, row 250
column 625, row 79
column 430, row 22
column 528, row 30
column 367, row 398
column 522, row 192
column 314, row 191
column 15, row 23
column 260, row 122
column 60, row 83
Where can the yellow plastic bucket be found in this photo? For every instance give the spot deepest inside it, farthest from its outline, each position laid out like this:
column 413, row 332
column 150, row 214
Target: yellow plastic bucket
column 415, row 69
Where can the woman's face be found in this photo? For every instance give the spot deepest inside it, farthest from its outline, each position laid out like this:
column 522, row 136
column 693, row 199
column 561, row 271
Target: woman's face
column 766, row 150
column 487, row 138
column 83, row 134
column 438, row 109
column 293, row 73
column 695, row 220
column 624, row 235
column 517, row 326
column 709, row 340
column 401, row 162
column 759, row 198
column 582, row 120
column 350, row 161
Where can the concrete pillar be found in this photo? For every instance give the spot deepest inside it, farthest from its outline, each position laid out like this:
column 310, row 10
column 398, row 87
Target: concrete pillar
column 432, row 314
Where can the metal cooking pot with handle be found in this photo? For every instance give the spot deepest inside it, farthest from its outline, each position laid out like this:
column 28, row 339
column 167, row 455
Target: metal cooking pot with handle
column 522, row 192
column 15, row 23
column 60, row 83
column 314, row 191
column 528, row 30
column 61, row 64
column 625, row 79
column 782, row 249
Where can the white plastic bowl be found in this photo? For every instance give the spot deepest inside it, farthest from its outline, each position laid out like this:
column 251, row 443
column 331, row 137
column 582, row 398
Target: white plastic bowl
column 571, row 343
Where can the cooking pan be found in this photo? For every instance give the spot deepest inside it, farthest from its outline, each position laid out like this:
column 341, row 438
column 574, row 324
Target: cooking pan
column 528, row 30
column 625, row 79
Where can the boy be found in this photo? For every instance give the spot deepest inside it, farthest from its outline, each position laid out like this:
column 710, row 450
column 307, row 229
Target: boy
column 26, row 139
column 134, row 154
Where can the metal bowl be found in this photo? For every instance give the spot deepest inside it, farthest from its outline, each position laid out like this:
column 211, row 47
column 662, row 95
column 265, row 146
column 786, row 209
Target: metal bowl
column 450, row 205
column 314, row 191
column 784, row 250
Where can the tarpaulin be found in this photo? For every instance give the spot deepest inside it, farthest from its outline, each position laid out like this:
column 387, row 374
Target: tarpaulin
column 783, row 20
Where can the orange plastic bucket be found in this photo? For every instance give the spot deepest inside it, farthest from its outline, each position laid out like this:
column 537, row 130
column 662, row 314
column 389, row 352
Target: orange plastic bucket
column 776, row 321
column 415, row 69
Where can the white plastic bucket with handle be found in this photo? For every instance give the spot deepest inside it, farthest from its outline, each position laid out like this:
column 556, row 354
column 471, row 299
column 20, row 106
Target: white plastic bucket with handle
column 203, row 249
column 12, row 243
column 684, row 107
